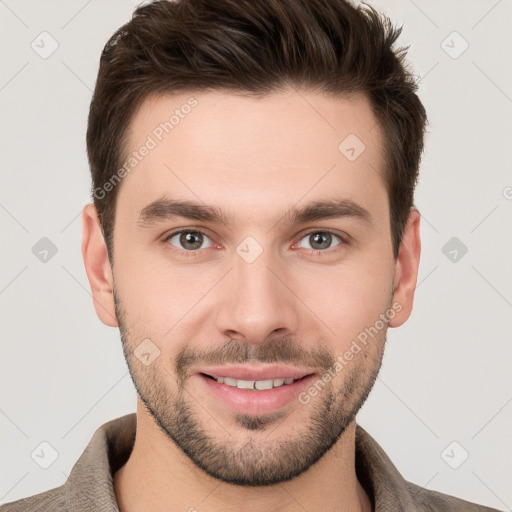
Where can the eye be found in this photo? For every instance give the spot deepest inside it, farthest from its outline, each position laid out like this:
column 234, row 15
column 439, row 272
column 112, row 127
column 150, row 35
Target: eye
column 189, row 240
column 319, row 240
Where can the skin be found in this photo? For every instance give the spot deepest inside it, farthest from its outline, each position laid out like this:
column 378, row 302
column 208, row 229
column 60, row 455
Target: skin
column 254, row 159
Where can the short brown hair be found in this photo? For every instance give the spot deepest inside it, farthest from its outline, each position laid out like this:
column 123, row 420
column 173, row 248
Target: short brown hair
column 257, row 47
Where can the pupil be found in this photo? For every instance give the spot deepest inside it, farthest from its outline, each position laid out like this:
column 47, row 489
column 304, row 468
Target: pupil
column 317, row 239
column 187, row 240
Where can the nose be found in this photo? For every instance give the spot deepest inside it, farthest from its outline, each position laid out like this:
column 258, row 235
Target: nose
column 257, row 301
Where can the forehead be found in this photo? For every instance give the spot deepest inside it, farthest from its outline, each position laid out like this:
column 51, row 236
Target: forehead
column 242, row 153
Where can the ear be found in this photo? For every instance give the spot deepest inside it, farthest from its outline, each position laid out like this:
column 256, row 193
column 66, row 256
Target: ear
column 97, row 266
column 406, row 268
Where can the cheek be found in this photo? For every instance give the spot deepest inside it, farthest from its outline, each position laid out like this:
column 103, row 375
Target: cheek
column 156, row 296
column 347, row 299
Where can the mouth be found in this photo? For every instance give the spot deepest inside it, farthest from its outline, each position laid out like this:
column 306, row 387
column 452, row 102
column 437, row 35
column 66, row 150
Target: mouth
column 254, row 391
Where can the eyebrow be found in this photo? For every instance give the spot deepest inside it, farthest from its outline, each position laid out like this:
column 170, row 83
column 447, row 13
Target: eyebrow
column 167, row 209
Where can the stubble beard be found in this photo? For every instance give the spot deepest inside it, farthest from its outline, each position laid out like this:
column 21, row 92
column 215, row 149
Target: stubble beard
column 249, row 453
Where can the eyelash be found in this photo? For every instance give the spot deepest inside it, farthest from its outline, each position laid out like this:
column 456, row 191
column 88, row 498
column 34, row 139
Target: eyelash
column 197, row 252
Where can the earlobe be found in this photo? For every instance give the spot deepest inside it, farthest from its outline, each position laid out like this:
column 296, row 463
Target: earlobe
column 97, row 266
column 406, row 271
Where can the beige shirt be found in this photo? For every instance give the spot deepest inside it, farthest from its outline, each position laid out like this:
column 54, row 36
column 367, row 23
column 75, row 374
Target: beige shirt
column 90, row 484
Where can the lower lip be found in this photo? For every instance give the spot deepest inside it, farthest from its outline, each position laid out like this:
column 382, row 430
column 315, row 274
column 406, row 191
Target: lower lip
column 246, row 401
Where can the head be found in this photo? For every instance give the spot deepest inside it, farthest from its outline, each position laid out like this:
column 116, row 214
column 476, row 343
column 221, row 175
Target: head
column 253, row 168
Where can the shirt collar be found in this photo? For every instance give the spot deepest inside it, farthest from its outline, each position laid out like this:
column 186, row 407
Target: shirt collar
column 385, row 486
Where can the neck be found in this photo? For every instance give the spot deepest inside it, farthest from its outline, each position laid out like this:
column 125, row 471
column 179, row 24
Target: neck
column 158, row 476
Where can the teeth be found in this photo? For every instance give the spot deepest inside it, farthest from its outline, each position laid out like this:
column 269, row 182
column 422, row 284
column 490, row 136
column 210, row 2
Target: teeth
column 260, row 385
column 245, row 384
column 264, row 384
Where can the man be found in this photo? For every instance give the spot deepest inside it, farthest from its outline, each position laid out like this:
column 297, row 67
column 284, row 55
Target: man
column 253, row 168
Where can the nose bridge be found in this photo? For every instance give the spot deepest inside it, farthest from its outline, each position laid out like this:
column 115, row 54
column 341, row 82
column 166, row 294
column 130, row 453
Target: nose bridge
column 255, row 302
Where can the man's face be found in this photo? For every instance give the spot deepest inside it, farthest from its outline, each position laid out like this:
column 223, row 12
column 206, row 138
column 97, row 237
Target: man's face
column 262, row 294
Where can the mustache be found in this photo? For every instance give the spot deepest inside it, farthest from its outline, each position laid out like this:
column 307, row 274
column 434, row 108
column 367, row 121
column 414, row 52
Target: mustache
column 276, row 350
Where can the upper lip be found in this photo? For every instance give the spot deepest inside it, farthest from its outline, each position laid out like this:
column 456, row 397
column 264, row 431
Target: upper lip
column 267, row 372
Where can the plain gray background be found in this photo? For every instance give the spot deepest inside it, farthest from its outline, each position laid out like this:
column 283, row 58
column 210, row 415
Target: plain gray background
column 444, row 391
